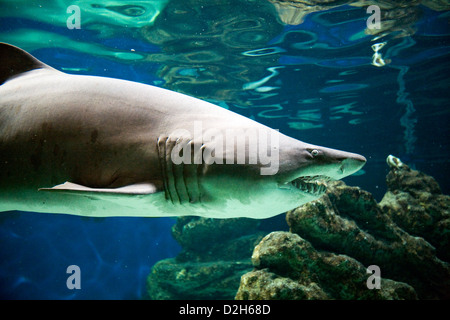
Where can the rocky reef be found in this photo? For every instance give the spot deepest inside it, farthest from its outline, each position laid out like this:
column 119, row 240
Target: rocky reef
column 326, row 253
column 415, row 203
column 334, row 239
column 289, row 267
column 215, row 254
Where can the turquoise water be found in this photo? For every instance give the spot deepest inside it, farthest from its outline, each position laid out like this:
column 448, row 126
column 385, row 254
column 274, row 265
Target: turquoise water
column 316, row 73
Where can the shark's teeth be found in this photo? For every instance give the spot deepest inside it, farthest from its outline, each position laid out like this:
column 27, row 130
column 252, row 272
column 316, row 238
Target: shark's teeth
column 315, row 185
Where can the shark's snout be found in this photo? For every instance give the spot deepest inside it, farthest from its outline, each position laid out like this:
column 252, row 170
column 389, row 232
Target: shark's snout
column 348, row 163
column 352, row 164
column 332, row 163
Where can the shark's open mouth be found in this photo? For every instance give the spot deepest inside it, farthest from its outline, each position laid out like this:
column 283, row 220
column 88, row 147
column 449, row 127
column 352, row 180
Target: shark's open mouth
column 315, row 185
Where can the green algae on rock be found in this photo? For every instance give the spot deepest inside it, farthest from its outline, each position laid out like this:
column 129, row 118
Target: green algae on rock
column 215, row 254
column 414, row 201
column 289, row 267
column 333, row 239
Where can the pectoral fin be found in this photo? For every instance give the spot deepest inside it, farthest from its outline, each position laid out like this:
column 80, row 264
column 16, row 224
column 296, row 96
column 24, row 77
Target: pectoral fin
column 134, row 189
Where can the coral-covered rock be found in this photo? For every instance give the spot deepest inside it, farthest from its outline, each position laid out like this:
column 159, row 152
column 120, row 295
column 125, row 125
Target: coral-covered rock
column 415, row 203
column 289, row 267
column 265, row 285
column 205, row 238
column 402, row 178
column 171, row 279
column 331, row 240
column 215, row 254
column 348, row 220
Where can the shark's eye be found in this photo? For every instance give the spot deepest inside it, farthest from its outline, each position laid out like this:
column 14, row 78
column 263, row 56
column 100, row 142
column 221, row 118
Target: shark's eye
column 314, row 152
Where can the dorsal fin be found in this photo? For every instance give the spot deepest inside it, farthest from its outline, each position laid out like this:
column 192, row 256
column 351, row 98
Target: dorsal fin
column 14, row 61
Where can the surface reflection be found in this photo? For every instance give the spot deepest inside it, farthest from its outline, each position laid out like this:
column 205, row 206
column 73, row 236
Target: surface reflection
column 396, row 16
column 211, row 49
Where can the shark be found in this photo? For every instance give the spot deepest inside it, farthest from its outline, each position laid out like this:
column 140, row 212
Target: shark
column 102, row 147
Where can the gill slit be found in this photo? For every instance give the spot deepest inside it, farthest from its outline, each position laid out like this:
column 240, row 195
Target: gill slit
column 176, row 178
column 162, row 162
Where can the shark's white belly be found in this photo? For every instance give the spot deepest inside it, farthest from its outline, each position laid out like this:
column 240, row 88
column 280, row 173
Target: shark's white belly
column 149, row 205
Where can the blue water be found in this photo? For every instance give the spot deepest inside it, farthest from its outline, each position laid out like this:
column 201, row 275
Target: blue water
column 315, row 80
column 114, row 255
